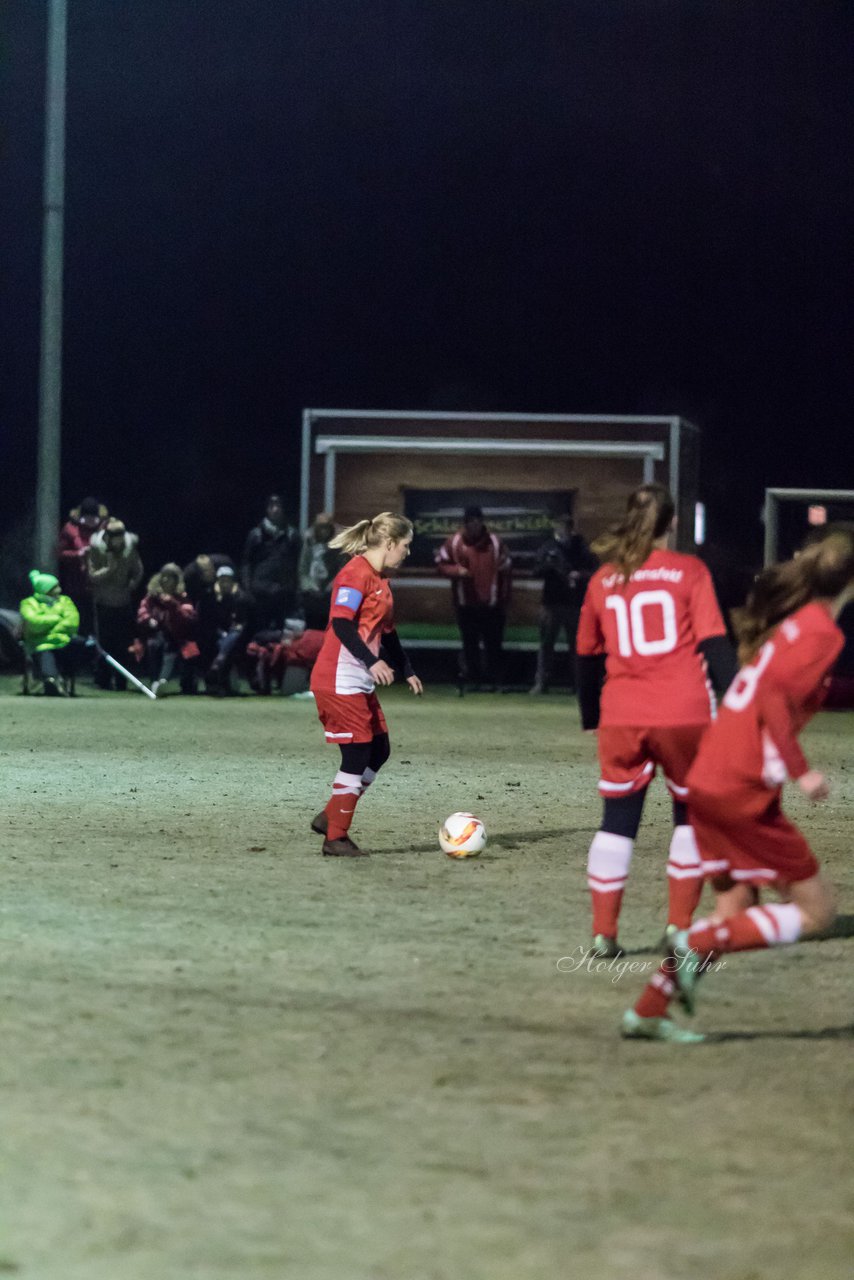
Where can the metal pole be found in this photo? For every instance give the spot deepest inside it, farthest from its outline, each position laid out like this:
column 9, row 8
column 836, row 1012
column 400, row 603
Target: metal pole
column 770, row 528
column 50, row 362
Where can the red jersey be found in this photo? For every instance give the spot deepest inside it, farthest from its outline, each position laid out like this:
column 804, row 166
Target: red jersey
column 649, row 628
column 488, row 567
column 754, row 739
column 360, row 593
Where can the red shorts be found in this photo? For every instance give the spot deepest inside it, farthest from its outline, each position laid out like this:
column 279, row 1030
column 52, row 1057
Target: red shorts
column 628, row 756
column 745, row 835
column 350, row 717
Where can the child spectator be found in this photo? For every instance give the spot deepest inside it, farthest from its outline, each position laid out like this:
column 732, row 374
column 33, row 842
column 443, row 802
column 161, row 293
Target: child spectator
column 165, row 620
column 229, row 612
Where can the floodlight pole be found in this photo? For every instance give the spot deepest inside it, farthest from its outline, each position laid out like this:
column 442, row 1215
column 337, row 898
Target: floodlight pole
column 50, row 356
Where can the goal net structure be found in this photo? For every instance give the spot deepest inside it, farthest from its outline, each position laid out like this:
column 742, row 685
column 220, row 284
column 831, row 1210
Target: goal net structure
column 789, row 514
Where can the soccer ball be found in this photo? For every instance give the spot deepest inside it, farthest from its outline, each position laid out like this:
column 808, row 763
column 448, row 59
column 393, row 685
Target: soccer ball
column 462, row 835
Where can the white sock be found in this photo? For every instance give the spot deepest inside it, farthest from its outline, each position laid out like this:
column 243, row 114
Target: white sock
column 785, row 925
column 608, row 861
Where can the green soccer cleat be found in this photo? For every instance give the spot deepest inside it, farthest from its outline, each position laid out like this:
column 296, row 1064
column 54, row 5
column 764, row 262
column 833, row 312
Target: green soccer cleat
column 605, row 948
column 686, row 970
column 634, row 1027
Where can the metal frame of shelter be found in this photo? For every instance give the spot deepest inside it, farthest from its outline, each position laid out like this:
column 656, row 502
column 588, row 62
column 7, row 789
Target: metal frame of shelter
column 773, row 498
column 332, row 446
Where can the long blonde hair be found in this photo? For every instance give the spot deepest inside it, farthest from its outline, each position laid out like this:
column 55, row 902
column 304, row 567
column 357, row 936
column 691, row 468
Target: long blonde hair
column 822, row 570
column 372, row 533
column 649, row 515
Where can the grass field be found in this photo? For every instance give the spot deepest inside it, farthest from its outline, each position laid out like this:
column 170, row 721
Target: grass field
column 225, row 1056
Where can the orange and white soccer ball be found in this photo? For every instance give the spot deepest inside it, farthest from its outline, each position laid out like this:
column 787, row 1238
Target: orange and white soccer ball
column 462, row 835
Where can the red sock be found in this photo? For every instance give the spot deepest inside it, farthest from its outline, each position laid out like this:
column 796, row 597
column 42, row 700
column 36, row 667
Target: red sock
column 345, row 793
column 657, row 993
column 683, row 900
column 606, row 911
column 772, row 926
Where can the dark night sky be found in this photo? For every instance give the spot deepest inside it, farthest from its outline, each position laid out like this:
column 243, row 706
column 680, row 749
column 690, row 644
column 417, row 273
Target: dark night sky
column 522, row 205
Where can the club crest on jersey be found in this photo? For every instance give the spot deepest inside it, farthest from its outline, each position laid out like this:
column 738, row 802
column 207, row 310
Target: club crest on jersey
column 349, row 597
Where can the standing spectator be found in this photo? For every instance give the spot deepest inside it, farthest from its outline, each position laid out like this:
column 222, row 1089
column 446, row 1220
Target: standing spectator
column 231, row 618
column 115, row 572
column 49, row 622
column 567, row 564
column 74, row 539
column 269, row 570
column 480, row 570
column 165, row 619
column 318, row 565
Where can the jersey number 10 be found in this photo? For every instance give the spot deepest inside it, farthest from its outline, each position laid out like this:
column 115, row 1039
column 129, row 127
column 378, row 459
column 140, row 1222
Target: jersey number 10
column 630, row 618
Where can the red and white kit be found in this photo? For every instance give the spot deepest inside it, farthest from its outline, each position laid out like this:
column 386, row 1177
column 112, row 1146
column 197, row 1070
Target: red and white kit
column 735, row 781
column 343, row 689
column 656, row 701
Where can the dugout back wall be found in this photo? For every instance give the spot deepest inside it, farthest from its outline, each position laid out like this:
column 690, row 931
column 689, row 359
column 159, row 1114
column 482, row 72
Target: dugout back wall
column 357, row 463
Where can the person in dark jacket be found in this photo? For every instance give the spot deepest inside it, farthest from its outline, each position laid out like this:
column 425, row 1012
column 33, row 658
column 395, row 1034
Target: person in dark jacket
column 270, row 567
column 480, row 570
column 200, row 574
column 567, row 564
column 230, row 617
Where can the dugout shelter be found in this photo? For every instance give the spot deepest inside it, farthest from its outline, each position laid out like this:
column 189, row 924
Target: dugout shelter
column 523, row 469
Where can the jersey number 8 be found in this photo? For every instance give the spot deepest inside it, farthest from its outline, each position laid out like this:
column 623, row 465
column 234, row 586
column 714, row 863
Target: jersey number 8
column 743, row 688
column 631, row 623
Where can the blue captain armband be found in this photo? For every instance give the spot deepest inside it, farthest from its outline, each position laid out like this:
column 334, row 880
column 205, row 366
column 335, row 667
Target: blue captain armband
column 348, row 597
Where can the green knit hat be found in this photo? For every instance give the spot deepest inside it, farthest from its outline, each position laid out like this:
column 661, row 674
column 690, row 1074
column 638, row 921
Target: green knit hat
column 43, row 583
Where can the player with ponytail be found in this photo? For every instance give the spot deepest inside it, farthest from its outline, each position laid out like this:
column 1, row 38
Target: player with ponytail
column 351, row 663
column 650, row 617
column 788, row 643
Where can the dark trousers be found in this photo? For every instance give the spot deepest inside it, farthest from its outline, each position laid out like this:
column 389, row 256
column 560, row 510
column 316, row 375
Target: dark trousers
column 164, row 661
column 481, row 624
column 66, row 662
column 555, row 618
column 114, row 627
column 229, row 646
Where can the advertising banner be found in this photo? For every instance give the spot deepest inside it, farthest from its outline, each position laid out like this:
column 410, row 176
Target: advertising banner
column 521, row 518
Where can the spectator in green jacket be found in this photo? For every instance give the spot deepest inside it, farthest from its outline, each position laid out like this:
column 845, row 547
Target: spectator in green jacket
column 49, row 622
